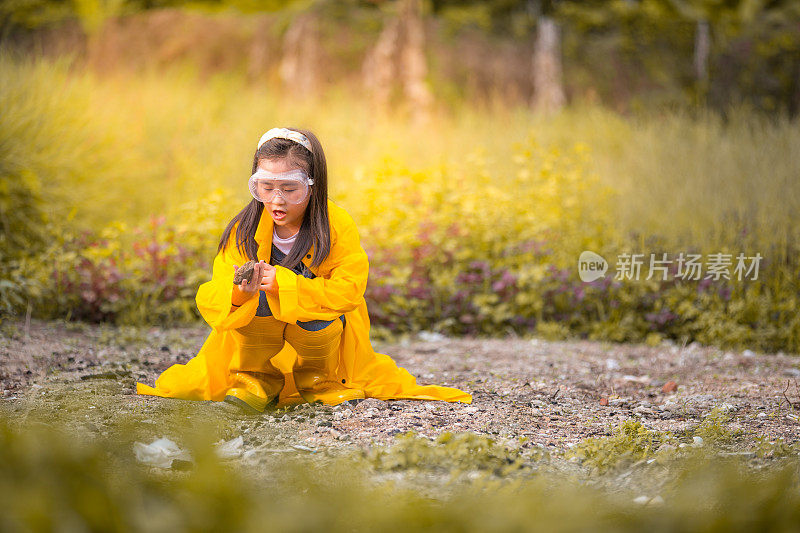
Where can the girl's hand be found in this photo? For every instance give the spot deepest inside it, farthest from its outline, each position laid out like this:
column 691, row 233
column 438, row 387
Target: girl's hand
column 268, row 281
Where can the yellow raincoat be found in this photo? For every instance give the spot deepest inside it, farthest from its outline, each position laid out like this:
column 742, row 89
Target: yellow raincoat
column 338, row 289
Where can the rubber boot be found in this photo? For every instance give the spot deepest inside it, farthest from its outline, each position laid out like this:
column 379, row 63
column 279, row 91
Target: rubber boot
column 253, row 391
column 315, row 368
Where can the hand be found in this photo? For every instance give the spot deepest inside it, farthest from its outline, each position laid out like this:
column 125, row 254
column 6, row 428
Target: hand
column 268, row 281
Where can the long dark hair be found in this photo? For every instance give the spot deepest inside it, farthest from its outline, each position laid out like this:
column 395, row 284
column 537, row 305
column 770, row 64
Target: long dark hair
column 315, row 228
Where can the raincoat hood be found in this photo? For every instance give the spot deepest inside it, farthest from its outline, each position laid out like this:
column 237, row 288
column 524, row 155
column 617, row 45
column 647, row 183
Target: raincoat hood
column 338, row 289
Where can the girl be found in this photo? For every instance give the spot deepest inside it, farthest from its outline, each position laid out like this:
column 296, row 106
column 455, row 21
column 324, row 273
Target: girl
column 298, row 331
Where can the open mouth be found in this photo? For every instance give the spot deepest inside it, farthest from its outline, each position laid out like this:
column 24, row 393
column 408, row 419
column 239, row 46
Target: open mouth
column 277, row 214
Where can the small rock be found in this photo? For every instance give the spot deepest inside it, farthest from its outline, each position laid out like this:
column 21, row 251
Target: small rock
column 244, row 272
column 371, row 403
column 697, row 442
column 672, row 407
column 229, row 449
column 339, row 415
column 431, row 336
column 637, row 379
column 701, row 399
column 669, row 387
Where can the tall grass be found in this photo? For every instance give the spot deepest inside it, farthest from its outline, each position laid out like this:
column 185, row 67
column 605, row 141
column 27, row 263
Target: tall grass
column 111, row 152
column 122, row 147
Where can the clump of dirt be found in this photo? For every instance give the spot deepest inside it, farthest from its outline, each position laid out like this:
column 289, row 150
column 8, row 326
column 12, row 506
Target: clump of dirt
column 244, row 272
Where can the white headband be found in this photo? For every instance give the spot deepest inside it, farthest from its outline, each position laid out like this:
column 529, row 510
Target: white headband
column 285, row 133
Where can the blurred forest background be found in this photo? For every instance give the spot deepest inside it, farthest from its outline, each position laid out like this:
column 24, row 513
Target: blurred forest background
column 480, row 147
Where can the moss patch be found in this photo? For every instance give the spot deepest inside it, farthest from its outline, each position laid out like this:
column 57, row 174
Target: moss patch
column 629, row 442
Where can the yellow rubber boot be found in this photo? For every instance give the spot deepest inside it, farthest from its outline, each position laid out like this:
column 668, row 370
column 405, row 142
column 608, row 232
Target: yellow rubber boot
column 253, row 391
column 315, row 368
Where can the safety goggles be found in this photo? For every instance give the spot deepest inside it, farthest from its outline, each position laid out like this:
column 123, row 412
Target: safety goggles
column 292, row 186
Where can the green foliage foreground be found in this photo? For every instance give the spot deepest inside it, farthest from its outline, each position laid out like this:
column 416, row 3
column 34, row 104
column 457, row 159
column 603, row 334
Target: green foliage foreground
column 59, row 479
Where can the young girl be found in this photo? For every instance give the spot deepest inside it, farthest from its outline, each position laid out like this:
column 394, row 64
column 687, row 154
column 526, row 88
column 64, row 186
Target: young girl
column 299, row 330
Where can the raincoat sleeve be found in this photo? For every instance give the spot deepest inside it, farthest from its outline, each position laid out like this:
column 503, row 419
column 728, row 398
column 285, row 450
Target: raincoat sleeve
column 215, row 298
column 324, row 297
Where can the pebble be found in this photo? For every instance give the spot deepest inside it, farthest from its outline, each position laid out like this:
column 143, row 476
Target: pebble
column 669, row 387
column 702, row 398
column 372, row 403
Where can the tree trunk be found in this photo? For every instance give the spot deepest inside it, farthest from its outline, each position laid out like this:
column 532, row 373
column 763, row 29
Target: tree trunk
column 397, row 61
column 301, row 57
column 381, row 64
column 262, row 49
column 547, row 82
column 702, row 47
column 413, row 65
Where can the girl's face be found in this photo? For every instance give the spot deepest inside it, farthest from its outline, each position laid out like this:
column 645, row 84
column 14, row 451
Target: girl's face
column 287, row 217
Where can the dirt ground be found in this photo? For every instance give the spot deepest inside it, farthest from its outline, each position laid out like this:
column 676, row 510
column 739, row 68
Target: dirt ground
column 553, row 393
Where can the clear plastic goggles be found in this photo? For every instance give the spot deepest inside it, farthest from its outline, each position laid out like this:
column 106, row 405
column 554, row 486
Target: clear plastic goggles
column 292, row 186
